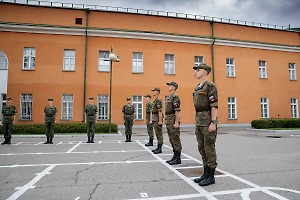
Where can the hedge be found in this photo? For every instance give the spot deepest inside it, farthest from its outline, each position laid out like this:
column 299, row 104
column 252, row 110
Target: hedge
column 71, row 127
column 275, row 123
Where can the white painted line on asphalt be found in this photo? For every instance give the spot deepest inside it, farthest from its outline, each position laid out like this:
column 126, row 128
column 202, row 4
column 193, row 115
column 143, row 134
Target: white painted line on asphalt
column 119, row 142
column 30, row 184
column 73, row 148
column 99, row 142
column 39, row 143
column 77, row 198
column 59, row 143
column 246, row 195
column 282, row 189
column 185, row 196
column 186, row 179
column 17, row 143
column 144, row 195
column 190, row 167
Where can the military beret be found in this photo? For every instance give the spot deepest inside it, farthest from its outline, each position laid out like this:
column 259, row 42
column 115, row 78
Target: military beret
column 156, row 89
column 173, row 83
column 128, row 99
column 203, row 66
column 148, row 95
column 50, row 99
column 8, row 98
column 91, row 97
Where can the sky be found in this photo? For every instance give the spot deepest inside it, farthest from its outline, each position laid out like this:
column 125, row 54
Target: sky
column 275, row 12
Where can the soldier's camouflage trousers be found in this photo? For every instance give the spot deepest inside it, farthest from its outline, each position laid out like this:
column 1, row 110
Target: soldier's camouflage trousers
column 150, row 130
column 174, row 137
column 158, row 133
column 49, row 128
column 7, row 129
column 128, row 123
column 206, row 145
column 90, row 128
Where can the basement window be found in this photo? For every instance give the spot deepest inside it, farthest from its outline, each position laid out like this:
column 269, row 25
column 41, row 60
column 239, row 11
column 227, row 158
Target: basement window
column 78, row 20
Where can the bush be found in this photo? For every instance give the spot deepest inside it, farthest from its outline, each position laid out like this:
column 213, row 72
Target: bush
column 275, row 123
column 71, row 127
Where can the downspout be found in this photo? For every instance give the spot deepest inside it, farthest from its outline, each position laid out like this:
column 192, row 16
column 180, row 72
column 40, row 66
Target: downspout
column 213, row 50
column 85, row 59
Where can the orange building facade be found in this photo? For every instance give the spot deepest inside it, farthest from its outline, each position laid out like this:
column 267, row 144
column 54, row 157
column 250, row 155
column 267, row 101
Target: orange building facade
column 62, row 53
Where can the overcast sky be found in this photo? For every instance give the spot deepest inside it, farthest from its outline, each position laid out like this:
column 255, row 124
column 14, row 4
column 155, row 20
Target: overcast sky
column 275, row 12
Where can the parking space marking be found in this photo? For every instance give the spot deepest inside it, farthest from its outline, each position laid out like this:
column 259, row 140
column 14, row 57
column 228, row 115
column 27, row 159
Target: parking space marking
column 31, row 183
column 73, row 148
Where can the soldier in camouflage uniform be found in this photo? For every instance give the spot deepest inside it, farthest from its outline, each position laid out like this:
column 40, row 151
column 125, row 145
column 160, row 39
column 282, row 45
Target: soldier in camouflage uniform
column 128, row 116
column 50, row 113
column 172, row 120
column 205, row 98
column 149, row 123
column 9, row 112
column 157, row 120
column 90, row 111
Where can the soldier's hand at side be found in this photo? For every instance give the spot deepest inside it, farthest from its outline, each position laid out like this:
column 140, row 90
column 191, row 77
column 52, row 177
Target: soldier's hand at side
column 212, row 127
column 159, row 123
column 150, row 122
column 176, row 125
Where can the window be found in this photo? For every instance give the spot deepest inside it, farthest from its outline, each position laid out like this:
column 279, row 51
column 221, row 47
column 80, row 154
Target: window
column 198, row 60
column 292, row 71
column 137, row 62
column 169, row 64
column 137, row 102
column 103, row 61
column 69, row 60
column 232, row 108
column 262, row 66
column 264, row 107
column 103, row 107
column 230, row 68
column 67, row 106
column 26, row 107
column 294, row 108
column 29, row 59
column 3, row 103
column 3, row 61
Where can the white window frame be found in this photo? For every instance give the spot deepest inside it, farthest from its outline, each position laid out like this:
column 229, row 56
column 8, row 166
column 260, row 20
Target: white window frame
column 294, row 108
column 29, row 58
column 137, row 62
column 262, row 67
column 103, row 107
column 67, row 107
column 136, row 102
column 103, row 61
column 292, row 71
column 232, row 108
column 169, row 64
column 3, row 61
column 230, row 67
column 198, row 60
column 26, row 102
column 264, row 108
column 69, row 60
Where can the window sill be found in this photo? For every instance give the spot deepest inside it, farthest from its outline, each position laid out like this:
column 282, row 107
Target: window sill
column 66, row 120
column 231, row 76
column 25, row 119
column 138, row 119
column 293, row 79
column 263, row 78
column 104, row 71
column 68, row 70
column 232, row 118
column 28, row 69
column 137, row 72
column 170, row 74
column 102, row 119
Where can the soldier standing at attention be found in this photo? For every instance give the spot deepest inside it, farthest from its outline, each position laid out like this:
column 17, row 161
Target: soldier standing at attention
column 9, row 112
column 205, row 99
column 128, row 115
column 172, row 118
column 50, row 113
column 149, row 124
column 157, row 120
column 90, row 111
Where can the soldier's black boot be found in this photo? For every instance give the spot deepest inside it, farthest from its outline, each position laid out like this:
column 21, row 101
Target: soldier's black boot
column 177, row 159
column 158, row 149
column 89, row 140
column 92, row 139
column 204, row 175
column 150, row 143
column 47, row 142
column 4, row 142
column 129, row 138
column 174, row 156
column 210, row 180
column 50, row 140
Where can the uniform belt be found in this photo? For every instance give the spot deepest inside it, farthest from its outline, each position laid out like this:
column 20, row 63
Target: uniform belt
column 91, row 115
column 169, row 113
column 148, row 113
column 154, row 112
column 49, row 116
column 202, row 109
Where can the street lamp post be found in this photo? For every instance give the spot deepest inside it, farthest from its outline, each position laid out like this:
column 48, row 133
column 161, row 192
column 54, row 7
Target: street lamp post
column 112, row 58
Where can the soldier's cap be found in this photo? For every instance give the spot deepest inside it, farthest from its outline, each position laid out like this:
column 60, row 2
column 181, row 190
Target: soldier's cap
column 91, row 98
column 8, row 98
column 173, row 83
column 148, row 95
column 156, row 89
column 50, row 99
column 203, row 66
column 128, row 99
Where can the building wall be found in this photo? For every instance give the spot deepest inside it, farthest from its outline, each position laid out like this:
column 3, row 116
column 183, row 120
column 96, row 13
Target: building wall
column 52, row 30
